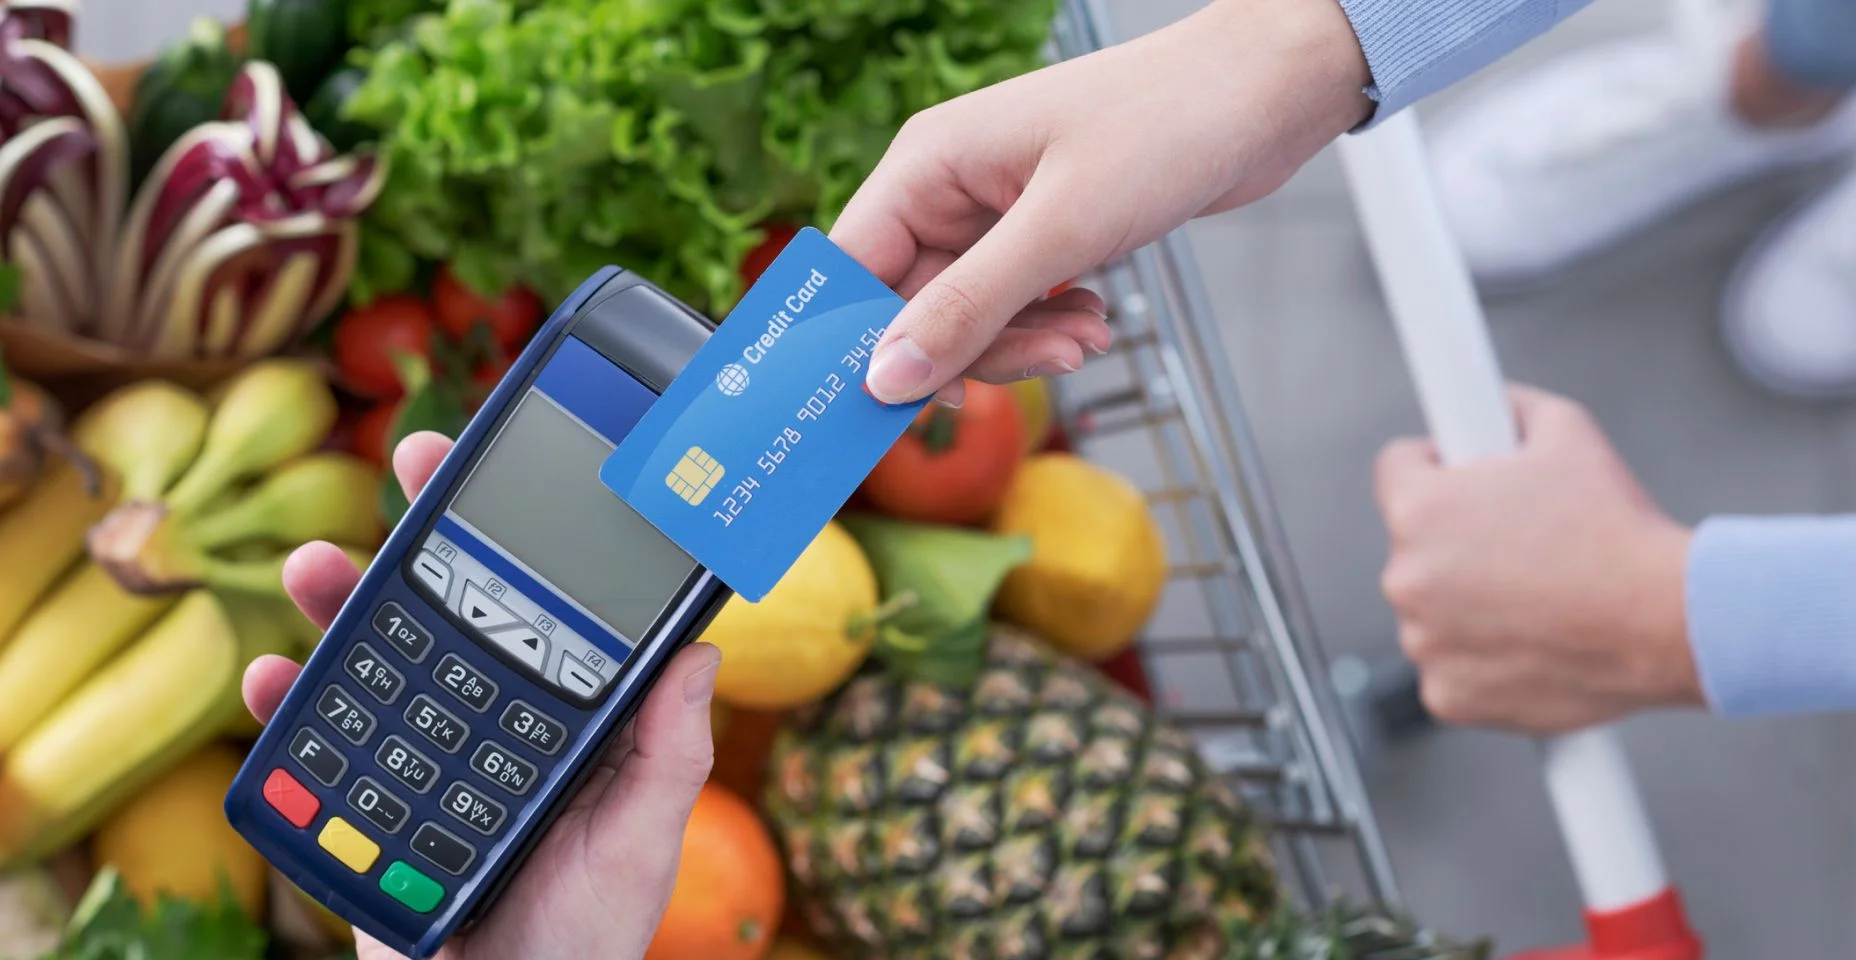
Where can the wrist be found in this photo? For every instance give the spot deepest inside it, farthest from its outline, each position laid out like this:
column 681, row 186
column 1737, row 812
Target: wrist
column 1665, row 672
column 1311, row 49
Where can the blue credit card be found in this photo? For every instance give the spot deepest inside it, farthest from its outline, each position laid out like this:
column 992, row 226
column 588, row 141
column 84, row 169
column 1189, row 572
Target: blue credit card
column 768, row 430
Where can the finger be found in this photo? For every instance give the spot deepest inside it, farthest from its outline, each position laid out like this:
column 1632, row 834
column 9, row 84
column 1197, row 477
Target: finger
column 266, row 681
column 1020, row 354
column 672, row 753
column 929, row 262
column 417, row 458
column 1403, row 467
column 1086, row 326
column 319, row 577
column 956, row 316
column 1400, row 463
column 1541, row 414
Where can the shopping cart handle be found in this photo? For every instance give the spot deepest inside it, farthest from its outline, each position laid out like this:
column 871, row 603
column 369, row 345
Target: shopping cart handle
column 1460, row 388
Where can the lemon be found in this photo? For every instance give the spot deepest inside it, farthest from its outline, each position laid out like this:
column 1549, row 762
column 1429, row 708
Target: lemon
column 1034, row 402
column 804, row 638
column 173, row 837
column 1098, row 561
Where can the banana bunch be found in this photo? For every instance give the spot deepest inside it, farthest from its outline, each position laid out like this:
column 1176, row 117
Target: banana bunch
column 130, row 609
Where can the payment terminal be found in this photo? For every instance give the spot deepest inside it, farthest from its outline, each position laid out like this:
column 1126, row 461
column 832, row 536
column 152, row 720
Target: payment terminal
column 508, row 629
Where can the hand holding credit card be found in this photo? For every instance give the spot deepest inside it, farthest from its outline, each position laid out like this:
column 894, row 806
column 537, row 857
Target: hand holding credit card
column 768, row 431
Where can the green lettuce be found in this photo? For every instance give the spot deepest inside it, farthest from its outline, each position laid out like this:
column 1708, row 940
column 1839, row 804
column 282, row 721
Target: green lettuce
column 535, row 141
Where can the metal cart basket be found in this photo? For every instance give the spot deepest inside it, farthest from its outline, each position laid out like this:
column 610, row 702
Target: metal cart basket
column 1232, row 649
column 1231, row 652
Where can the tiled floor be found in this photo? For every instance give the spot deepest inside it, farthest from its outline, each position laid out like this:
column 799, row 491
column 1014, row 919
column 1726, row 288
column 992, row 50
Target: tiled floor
column 1756, row 818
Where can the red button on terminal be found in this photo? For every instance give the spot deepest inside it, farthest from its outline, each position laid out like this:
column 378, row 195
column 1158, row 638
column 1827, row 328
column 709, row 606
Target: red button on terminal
column 288, row 797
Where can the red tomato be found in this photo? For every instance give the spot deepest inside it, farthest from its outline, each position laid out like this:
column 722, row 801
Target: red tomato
column 373, row 435
column 952, row 466
column 512, row 317
column 758, row 259
column 367, row 339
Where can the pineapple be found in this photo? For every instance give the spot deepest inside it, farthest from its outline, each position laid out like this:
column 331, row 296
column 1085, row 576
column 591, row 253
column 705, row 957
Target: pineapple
column 1041, row 813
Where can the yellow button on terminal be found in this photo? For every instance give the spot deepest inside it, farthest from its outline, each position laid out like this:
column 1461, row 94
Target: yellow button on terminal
column 345, row 843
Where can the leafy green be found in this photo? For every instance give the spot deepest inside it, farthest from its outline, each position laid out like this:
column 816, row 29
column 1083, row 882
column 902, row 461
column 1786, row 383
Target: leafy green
column 109, row 924
column 952, row 575
column 431, row 403
column 534, row 141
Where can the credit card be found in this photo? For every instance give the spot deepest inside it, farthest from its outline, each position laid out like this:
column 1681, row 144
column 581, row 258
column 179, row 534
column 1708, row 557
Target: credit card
column 768, row 431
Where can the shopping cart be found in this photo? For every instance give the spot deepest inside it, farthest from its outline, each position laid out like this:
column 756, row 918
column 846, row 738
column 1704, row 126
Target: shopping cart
column 1231, row 652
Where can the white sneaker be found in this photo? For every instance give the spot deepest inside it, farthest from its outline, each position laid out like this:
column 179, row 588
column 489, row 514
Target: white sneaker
column 1540, row 171
column 1789, row 313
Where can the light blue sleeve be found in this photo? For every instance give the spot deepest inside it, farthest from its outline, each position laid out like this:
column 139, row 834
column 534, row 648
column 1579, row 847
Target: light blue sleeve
column 1772, row 613
column 1415, row 48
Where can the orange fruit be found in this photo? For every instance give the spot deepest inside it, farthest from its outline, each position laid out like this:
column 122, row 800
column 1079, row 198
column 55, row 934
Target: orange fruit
column 731, row 886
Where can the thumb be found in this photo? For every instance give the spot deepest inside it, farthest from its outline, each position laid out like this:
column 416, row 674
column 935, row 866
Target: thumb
column 957, row 315
column 672, row 753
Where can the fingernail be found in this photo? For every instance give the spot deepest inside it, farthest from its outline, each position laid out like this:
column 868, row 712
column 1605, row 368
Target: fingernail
column 949, row 402
column 700, row 687
column 898, row 370
column 1095, row 349
column 1049, row 368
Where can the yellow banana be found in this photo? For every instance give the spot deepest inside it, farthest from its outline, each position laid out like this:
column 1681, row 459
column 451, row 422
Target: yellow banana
column 84, row 621
column 173, row 689
column 141, row 436
column 147, row 432
column 42, row 536
column 272, row 412
column 324, row 496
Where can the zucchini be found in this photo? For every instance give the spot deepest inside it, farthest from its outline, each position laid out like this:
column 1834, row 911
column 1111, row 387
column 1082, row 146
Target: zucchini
column 324, row 111
column 305, row 40
column 185, row 87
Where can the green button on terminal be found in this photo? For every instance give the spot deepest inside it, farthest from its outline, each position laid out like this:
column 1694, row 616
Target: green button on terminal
column 410, row 887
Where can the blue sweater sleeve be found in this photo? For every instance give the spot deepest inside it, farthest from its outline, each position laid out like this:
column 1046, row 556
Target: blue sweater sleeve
column 1415, row 48
column 1772, row 613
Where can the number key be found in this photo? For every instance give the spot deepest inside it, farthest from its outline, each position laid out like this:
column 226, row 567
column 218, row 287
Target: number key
column 511, row 773
column 345, row 715
column 466, row 682
column 436, row 723
column 532, row 727
column 475, row 810
column 408, row 765
column 372, row 673
column 402, row 632
column 382, row 809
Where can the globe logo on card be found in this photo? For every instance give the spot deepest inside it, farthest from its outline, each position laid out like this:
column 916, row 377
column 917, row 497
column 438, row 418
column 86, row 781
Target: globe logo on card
column 732, row 379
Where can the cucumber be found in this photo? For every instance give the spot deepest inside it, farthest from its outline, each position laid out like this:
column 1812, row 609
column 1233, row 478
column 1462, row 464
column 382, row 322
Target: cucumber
column 185, row 87
column 304, row 39
column 324, row 111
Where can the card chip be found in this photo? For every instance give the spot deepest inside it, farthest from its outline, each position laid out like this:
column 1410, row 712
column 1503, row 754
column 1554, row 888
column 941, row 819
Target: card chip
column 694, row 476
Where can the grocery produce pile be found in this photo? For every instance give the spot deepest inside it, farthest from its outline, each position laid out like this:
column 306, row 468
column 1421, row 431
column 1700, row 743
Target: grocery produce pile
column 144, row 549
column 249, row 267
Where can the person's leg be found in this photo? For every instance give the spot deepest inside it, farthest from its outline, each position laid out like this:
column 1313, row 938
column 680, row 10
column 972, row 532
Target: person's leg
column 1541, row 170
column 1790, row 311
